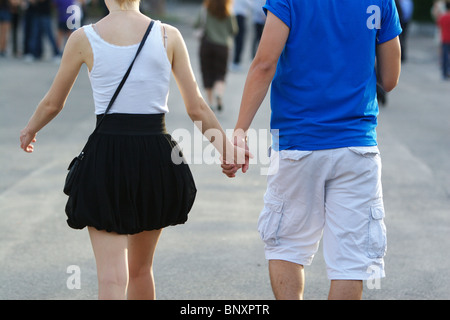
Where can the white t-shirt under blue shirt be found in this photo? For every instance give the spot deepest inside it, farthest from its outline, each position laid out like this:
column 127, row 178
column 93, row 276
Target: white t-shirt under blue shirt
column 323, row 94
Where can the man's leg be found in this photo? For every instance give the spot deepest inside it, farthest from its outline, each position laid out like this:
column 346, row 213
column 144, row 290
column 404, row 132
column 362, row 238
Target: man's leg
column 292, row 220
column 287, row 280
column 345, row 290
column 354, row 238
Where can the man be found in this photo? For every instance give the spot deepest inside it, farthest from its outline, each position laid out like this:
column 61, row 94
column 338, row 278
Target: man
column 319, row 57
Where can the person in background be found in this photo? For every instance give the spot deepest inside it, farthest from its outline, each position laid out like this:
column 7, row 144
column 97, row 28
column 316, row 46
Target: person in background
column 259, row 19
column 30, row 14
column 444, row 25
column 407, row 11
column 5, row 25
column 42, row 26
column 16, row 12
column 219, row 28
column 63, row 16
column 241, row 10
column 438, row 9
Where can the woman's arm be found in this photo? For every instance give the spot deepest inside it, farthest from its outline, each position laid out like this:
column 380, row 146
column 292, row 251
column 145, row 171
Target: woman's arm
column 196, row 107
column 74, row 56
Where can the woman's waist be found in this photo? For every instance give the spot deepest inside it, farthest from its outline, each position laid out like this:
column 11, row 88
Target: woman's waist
column 132, row 124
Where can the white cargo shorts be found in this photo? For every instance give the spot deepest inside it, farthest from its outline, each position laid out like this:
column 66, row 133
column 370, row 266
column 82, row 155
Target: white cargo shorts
column 333, row 194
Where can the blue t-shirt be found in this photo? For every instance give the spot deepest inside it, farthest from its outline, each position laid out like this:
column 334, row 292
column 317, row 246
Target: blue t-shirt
column 323, row 94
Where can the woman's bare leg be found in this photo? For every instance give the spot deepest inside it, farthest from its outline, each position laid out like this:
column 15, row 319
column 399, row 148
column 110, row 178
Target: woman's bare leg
column 110, row 250
column 141, row 249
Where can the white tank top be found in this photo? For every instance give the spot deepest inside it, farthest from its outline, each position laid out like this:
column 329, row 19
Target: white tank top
column 146, row 90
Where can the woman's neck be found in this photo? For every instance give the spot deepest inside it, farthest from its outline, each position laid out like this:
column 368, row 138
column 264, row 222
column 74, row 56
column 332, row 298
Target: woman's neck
column 114, row 7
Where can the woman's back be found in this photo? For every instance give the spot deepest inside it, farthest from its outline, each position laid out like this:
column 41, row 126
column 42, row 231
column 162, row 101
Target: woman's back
column 114, row 43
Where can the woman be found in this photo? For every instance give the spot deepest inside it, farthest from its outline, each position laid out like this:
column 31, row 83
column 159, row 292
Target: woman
column 129, row 187
column 219, row 28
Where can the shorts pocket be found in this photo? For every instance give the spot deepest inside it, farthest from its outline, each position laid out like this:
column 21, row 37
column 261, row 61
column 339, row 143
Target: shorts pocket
column 294, row 155
column 377, row 231
column 270, row 219
column 367, row 152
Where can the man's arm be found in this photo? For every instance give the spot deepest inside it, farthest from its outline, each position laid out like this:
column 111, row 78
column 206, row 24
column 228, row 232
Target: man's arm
column 259, row 78
column 389, row 63
column 262, row 70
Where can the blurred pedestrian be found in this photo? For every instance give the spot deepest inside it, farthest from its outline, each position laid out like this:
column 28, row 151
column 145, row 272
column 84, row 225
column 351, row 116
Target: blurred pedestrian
column 259, row 19
column 42, row 26
column 444, row 24
column 438, row 9
column 63, row 17
column 30, row 7
column 219, row 28
column 241, row 9
column 16, row 12
column 406, row 14
column 129, row 187
column 5, row 25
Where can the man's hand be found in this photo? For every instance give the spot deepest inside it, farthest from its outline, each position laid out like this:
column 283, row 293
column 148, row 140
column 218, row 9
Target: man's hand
column 241, row 155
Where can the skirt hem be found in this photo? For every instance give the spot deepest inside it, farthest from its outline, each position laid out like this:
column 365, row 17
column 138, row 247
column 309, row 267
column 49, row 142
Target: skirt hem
column 124, row 232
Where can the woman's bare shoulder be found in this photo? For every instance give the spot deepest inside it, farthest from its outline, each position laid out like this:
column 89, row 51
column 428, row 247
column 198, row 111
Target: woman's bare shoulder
column 78, row 47
column 78, row 38
column 172, row 31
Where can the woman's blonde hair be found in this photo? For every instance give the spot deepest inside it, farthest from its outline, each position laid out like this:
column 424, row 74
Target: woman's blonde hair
column 219, row 8
column 124, row 3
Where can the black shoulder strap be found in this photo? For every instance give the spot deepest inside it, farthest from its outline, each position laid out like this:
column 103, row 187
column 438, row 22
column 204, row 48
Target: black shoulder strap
column 126, row 74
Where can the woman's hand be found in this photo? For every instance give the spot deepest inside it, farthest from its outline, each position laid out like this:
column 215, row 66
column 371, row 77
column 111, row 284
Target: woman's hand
column 240, row 157
column 26, row 138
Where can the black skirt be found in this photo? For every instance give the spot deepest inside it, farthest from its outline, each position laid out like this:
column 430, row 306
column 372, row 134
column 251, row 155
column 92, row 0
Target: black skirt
column 128, row 182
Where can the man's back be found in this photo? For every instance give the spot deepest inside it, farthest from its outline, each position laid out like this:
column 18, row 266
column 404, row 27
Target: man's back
column 324, row 91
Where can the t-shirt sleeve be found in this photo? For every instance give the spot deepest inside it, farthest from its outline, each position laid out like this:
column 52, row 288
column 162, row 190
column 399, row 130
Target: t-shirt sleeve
column 281, row 9
column 390, row 22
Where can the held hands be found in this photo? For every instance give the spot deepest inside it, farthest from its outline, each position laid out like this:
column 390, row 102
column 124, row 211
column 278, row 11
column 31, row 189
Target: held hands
column 240, row 157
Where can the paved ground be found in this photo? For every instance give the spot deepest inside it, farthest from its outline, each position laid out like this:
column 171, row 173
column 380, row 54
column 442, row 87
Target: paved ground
column 218, row 254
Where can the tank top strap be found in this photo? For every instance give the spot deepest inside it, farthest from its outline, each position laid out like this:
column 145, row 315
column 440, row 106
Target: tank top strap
column 91, row 33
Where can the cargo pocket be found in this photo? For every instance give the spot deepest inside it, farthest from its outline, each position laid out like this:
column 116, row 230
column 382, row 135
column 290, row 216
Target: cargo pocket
column 367, row 152
column 270, row 219
column 377, row 231
column 294, row 155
